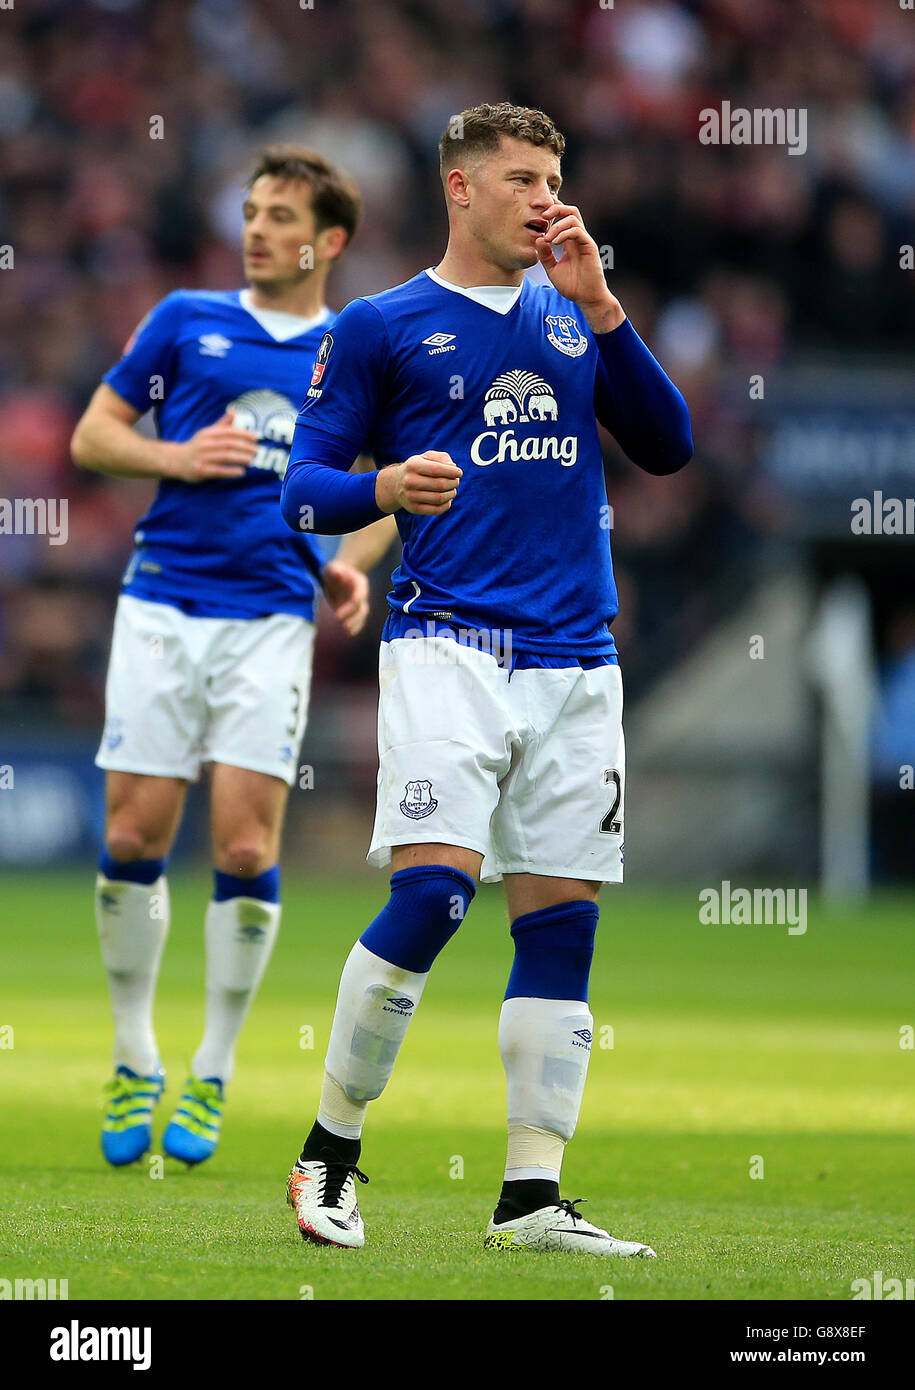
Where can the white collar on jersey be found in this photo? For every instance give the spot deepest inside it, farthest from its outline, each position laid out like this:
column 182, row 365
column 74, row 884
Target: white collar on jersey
column 501, row 298
column 277, row 323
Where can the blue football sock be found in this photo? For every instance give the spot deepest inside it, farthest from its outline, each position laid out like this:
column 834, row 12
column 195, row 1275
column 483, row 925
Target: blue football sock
column 425, row 909
column 553, row 951
column 265, row 886
column 144, row 871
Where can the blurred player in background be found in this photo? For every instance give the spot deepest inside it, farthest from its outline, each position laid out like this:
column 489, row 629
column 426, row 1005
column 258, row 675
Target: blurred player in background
column 500, row 738
column 212, row 647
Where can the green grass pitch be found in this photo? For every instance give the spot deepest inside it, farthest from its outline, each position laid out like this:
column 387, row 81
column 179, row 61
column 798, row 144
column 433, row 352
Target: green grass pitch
column 731, row 1045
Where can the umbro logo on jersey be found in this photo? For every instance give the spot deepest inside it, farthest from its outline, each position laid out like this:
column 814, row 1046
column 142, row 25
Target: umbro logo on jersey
column 214, row 345
column 440, row 342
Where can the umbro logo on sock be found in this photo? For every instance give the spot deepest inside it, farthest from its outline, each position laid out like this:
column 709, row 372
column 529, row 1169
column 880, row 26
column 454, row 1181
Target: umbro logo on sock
column 252, row 932
column 399, row 1006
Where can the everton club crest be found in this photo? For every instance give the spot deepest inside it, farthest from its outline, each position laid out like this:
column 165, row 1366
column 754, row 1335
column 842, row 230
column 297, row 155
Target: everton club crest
column 565, row 334
column 418, row 800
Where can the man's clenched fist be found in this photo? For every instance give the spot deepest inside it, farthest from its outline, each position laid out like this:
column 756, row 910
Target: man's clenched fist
column 425, row 484
column 218, row 451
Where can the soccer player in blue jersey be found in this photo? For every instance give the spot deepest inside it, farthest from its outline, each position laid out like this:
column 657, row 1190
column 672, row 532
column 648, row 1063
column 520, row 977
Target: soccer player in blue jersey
column 478, row 393
column 212, row 647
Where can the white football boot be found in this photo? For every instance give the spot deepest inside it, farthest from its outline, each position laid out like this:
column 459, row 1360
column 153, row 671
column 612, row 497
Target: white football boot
column 559, row 1228
column 323, row 1197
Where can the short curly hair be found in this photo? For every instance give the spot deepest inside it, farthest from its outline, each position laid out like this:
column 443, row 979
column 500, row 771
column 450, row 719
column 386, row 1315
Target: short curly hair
column 479, row 130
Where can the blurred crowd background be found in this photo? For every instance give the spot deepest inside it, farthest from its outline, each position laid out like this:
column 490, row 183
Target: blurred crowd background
column 731, row 261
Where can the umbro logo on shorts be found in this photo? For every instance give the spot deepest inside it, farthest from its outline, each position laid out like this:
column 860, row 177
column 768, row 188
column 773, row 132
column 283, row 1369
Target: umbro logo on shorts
column 585, row 1034
column 113, row 735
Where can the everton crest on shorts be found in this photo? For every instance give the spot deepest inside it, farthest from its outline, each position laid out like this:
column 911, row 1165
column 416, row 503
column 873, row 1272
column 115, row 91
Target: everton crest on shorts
column 418, row 800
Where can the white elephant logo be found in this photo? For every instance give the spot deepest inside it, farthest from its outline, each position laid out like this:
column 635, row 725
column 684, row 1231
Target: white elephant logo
column 500, row 411
column 265, row 413
column 521, row 396
column 542, row 407
column 271, row 418
column 280, row 427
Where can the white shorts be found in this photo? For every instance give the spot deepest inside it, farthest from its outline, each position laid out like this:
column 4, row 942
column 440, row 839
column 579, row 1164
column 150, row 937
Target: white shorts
column 527, row 768
column 184, row 691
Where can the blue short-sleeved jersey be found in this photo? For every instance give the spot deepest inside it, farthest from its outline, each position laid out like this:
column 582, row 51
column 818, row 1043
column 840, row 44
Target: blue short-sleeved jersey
column 222, row 549
column 509, row 395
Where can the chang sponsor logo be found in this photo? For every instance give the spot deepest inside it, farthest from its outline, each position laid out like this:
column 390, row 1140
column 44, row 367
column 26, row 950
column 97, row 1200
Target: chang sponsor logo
column 520, row 397
column 271, row 417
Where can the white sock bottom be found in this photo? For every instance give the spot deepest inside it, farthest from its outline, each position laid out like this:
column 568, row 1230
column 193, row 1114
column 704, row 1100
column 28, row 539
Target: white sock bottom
column 132, row 921
column 338, row 1114
column 239, row 934
column 533, row 1153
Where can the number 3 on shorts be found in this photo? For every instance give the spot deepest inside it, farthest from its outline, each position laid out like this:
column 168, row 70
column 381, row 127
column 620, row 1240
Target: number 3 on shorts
column 610, row 825
column 297, row 693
